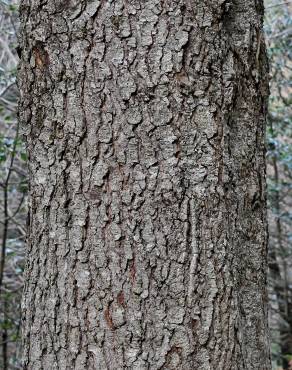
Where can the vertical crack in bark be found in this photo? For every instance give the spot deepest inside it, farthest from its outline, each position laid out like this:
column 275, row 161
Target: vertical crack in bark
column 193, row 219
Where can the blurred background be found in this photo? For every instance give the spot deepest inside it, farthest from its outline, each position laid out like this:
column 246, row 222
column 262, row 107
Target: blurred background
column 13, row 186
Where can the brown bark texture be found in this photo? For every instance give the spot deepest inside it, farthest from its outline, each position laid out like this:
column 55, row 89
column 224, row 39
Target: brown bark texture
column 145, row 129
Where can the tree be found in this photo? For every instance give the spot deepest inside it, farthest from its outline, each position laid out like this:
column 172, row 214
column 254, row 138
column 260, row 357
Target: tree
column 145, row 130
column 12, row 195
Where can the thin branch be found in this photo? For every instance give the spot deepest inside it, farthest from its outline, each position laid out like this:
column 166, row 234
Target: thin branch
column 6, row 88
column 279, row 4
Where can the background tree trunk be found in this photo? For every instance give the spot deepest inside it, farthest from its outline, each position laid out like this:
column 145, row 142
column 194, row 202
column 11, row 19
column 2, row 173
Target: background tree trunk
column 147, row 237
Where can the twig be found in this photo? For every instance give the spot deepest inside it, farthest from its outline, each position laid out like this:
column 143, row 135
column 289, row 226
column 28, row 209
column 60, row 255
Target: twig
column 279, row 4
column 6, row 88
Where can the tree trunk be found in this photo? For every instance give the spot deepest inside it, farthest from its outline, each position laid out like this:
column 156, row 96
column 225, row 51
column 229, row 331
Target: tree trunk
column 147, row 234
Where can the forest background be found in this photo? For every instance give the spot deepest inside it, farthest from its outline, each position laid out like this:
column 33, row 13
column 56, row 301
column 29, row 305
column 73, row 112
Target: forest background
column 14, row 186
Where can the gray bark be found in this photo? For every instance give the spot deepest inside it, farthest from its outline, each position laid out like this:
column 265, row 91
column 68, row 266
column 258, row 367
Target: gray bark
column 147, row 235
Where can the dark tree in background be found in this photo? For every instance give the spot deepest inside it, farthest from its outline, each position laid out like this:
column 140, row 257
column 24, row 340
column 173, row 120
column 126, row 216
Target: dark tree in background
column 145, row 129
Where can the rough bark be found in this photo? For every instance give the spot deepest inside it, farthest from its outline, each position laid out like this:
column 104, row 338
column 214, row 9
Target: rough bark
column 147, row 234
